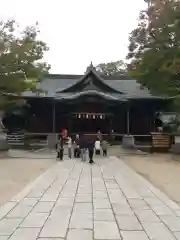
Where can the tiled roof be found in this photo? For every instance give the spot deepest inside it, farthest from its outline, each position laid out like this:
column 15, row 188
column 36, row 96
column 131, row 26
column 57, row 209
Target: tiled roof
column 54, row 83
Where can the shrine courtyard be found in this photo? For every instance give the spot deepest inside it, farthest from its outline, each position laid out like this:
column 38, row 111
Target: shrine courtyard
column 74, row 200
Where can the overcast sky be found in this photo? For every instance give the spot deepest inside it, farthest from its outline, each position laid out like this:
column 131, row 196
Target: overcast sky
column 78, row 31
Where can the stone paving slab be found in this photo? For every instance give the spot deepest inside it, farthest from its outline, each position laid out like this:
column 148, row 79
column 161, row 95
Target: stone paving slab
column 103, row 201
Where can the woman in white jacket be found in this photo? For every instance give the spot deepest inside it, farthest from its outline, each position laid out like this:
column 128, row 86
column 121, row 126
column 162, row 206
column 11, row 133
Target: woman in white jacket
column 69, row 143
column 98, row 147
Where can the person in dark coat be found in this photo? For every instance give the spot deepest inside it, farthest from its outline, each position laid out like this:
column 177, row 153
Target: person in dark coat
column 60, row 148
column 104, row 146
column 90, row 146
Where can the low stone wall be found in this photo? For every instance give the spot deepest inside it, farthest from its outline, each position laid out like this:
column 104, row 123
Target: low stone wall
column 128, row 142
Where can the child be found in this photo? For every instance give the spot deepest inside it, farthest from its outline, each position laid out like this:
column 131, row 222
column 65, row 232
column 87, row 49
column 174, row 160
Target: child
column 98, row 147
column 104, row 146
column 76, row 147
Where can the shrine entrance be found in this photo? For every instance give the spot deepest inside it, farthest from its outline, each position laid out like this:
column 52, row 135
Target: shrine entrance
column 91, row 122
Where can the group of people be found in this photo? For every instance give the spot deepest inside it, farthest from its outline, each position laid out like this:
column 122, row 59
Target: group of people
column 81, row 145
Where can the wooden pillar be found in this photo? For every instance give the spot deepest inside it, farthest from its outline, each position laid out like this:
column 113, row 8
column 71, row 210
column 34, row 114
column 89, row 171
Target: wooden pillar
column 54, row 116
column 110, row 124
column 128, row 140
column 128, row 119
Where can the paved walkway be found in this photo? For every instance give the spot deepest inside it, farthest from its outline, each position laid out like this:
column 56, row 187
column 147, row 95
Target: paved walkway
column 77, row 201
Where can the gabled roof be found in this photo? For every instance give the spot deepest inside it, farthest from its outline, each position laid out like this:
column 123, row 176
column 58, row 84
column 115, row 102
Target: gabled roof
column 90, row 81
column 64, row 86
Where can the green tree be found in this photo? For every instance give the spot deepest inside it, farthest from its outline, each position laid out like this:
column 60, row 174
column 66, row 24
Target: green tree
column 21, row 54
column 112, row 68
column 154, row 48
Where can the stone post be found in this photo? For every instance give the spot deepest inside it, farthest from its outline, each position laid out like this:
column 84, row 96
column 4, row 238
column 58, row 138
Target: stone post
column 128, row 142
column 51, row 140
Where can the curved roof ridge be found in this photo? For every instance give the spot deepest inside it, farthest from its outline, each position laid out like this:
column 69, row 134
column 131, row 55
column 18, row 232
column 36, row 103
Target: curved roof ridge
column 91, row 92
column 81, row 80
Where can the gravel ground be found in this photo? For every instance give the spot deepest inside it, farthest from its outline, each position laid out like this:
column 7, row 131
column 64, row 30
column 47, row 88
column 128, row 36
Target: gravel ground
column 160, row 169
column 16, row 173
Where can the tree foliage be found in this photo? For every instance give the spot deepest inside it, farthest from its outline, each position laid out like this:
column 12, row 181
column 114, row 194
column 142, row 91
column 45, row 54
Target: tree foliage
column 154, row 48
column 21, row 53
column 112, row 68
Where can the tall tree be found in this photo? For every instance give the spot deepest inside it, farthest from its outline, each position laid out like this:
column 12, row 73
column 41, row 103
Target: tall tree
column 112, row 68
column 154, row 48
column 20, row 59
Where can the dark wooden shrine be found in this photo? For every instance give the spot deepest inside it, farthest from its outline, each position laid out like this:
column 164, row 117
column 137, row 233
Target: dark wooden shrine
column 89, row 103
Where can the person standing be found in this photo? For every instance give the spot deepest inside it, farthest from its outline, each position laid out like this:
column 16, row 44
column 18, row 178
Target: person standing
column 104, row 146
column 158, row 123
column 64, row 132
column 112, row 137
column 99, row 135
column 90, row 146
column 76, row 147
column 98, row 147
column 69, row 143
column 82, row 146
column 60, row 148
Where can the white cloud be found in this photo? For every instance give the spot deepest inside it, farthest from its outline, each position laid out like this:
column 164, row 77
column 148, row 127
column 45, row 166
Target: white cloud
column 78, row 31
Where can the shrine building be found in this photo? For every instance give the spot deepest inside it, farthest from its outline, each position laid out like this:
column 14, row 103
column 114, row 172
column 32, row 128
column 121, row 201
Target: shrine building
column 91, row 102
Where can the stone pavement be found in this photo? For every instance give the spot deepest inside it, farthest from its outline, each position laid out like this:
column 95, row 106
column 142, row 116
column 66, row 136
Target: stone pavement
column 78, row 201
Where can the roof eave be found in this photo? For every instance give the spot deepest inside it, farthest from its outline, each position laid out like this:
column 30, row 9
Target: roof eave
column 147, row 98
column 90, row 93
